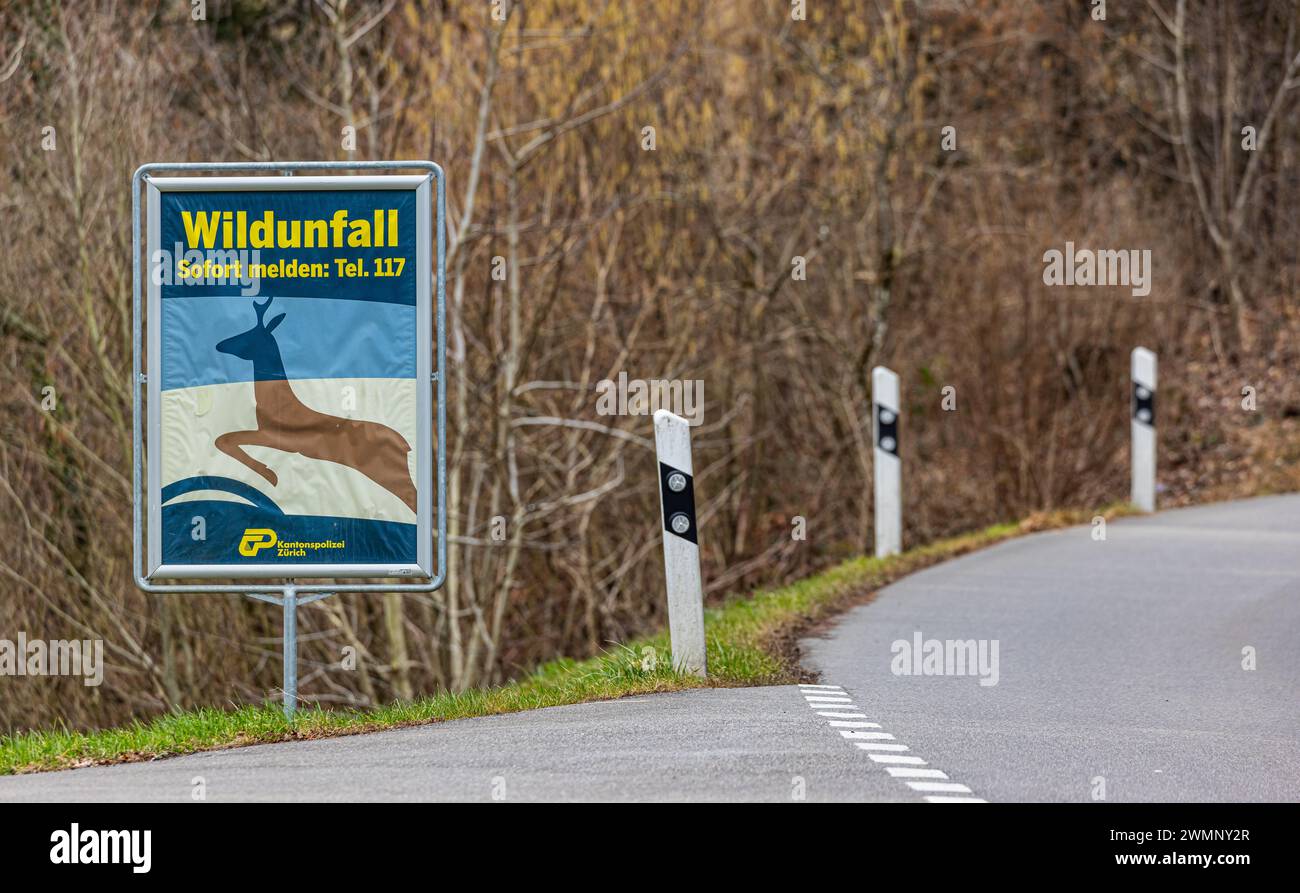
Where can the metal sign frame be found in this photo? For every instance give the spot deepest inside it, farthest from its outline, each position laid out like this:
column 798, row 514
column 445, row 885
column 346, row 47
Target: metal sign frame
column 289, row 593
column 419, row 185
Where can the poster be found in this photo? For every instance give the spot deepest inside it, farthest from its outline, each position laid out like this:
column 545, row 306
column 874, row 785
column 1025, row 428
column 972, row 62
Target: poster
column 289, row 376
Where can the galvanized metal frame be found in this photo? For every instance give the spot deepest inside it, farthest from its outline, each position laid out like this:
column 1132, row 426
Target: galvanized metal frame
column 290, row 592
column 144, row 579
column 424, row 473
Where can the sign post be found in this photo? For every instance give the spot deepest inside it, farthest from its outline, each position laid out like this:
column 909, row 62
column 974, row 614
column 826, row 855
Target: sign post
column 681, row 543
column 285, row 429
column 290, row 651
column 1143, row 373
column 888, row 467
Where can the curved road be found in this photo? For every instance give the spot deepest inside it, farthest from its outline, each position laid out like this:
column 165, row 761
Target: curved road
column 1121, row 662
column 1122, row 672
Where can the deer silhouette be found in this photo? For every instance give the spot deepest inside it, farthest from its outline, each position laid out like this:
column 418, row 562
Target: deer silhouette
column 286, row 423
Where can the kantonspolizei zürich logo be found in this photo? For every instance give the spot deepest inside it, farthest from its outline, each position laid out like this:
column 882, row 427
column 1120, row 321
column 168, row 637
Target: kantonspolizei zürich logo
column 89, row 847
column 256, row 539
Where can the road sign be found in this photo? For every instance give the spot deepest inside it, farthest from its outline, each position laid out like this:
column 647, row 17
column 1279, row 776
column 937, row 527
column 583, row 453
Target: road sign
column 276, row 434
column 290, row 388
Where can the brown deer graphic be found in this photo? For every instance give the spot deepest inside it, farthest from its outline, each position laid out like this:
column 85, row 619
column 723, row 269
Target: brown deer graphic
column 286, row 423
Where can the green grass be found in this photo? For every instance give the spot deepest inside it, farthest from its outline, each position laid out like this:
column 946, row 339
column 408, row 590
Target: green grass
column 750, row 642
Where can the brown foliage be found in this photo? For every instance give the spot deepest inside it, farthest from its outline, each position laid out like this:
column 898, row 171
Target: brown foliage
column 774, row 139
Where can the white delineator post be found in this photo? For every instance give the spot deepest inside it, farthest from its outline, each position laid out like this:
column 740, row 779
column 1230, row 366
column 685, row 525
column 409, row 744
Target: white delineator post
column 1144, row 429
column 681, row 542
column 888, row 467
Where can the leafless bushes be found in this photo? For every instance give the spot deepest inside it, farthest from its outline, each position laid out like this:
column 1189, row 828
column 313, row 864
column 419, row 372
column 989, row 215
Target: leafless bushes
column 577, row 253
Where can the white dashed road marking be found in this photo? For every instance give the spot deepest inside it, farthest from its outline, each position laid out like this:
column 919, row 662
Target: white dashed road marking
column 828, row 700
column 954, row 800
column 908, row 772
column 938, row 786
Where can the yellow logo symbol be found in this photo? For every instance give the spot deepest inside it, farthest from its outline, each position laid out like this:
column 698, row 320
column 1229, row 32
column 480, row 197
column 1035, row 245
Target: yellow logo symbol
column 255, row 539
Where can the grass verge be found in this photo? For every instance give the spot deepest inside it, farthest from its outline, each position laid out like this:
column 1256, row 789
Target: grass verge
column 751, row 641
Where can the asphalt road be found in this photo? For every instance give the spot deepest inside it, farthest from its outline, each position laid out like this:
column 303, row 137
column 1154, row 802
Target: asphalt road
column 1119, row 660
column 1119, row 674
